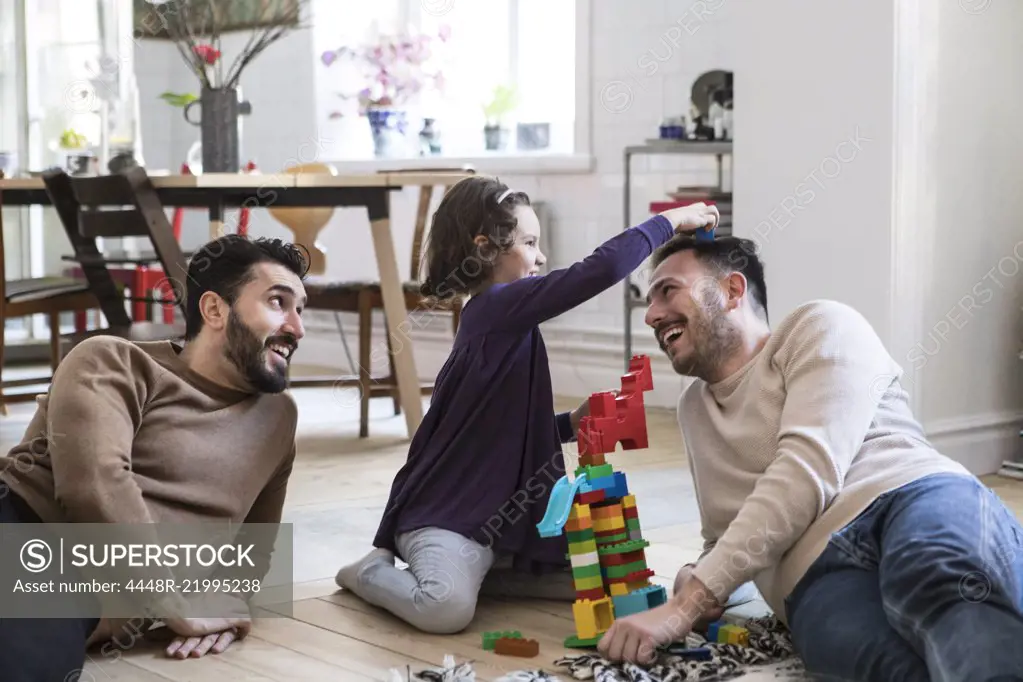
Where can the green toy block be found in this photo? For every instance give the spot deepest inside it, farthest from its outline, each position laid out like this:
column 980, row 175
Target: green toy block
column 632, row 524
column 491, row 636
column 623, row 547
column 612, row 539
column 592, row 571
column 625, row 569
column 583, row 535
column 595, row 471
column 573, row 642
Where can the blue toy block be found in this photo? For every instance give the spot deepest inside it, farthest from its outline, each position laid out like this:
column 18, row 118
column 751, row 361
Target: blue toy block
column 619, row 486
column 701, row 654
column 712, row 630
column 605, row 483
column 656, row 595
column 629, row 604
column 640, row 600
column 703, row 235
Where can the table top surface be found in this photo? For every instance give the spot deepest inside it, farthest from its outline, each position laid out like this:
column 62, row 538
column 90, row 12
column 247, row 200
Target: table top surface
column 276, row 180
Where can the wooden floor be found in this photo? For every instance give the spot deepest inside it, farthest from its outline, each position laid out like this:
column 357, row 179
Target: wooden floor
column 334, row 501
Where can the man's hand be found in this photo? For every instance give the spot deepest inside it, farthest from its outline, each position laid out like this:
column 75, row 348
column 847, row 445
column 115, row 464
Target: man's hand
column 689, row 219
column 183, row 647
column 636, row 638
column 200, row 635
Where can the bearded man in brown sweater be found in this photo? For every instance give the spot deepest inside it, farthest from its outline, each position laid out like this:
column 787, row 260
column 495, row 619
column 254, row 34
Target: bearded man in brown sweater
column 145, row 433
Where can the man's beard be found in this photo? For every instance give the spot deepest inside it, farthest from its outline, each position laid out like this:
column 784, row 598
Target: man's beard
column 713, row 339
column 249, row 355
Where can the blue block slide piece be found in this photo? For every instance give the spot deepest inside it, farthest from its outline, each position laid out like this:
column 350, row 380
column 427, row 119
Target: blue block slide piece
column 559, row 506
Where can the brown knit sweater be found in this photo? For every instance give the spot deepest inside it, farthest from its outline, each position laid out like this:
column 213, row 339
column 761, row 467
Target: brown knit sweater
column 129, row 434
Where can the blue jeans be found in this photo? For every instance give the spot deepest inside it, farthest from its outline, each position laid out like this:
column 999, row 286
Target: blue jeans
column 926, row 584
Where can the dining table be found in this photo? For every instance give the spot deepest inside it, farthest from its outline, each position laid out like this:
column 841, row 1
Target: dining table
column 217, row 192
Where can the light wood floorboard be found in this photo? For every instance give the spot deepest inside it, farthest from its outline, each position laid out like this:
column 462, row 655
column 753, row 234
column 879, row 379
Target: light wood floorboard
column 335, row 498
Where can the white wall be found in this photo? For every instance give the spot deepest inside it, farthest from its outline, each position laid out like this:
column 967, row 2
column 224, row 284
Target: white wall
column 875, row 140
column 656, row 49
column 814, row 115
column 966, row 360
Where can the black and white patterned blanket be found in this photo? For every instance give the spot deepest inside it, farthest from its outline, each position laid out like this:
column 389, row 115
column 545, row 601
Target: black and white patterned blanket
column 769, row 645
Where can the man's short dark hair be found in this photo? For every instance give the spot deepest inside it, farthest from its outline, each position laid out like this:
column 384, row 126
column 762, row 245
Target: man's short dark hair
column 727, row 254
column 225, row 265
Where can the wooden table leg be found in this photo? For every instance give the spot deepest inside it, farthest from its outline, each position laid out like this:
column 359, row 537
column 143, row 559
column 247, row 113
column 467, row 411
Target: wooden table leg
column 216, row 219
column 396, row 314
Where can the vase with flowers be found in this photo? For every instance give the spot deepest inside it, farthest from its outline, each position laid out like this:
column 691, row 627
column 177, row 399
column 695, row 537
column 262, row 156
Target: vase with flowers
column 383, row 78
column 196, row 27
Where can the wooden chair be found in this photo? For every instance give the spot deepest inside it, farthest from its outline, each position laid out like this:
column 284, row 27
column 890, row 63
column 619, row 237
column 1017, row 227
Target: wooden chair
column 36, row 296
column 124, row 204
column 363, row 298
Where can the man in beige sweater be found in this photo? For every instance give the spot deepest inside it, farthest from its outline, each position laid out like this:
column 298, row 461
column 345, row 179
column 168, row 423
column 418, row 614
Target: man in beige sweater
column 886, row 559
column 143, row 433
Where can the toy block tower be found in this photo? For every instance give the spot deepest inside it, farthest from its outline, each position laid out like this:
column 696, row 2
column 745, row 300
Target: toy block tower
column 599, row 514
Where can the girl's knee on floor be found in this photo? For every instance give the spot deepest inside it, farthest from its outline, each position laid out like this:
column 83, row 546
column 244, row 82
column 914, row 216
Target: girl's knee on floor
column 444, row 612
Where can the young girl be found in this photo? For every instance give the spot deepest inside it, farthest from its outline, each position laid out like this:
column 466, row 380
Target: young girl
column 463, row 510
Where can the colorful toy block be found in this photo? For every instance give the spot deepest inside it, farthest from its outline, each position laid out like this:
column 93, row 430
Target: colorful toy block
column 592, row 617
column 492, row 636
column 600, row 517
column 733, row 634
column 526, row 648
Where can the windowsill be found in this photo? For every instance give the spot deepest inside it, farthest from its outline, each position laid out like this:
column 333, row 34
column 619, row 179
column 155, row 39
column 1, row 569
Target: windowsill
column 490, row 164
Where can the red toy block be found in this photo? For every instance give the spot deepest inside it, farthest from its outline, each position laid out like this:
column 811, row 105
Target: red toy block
column 591, row 497
column 526, row 648
column 618, row 419
column 594, row 594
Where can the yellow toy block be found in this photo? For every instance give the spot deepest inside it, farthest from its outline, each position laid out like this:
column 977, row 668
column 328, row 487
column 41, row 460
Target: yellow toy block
column 638, row 585
column 619, row 589
column 733, row 634
column 629, row 502
column 612, row 523
column 580, row 511
column 592, row 617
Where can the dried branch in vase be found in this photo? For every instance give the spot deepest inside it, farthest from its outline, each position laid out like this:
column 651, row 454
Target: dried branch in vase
column 196, row 27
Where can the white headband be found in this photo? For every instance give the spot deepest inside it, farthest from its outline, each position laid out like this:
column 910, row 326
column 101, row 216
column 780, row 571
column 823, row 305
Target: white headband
column 504, row 195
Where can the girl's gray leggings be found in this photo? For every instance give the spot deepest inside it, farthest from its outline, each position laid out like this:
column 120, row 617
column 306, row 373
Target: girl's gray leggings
column 446, row 572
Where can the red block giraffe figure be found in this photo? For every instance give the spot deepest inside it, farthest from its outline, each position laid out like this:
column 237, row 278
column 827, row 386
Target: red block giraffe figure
column 599, row 515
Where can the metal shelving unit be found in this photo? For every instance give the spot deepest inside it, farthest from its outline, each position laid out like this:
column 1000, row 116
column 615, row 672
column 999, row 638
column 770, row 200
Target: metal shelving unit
column 720, row 149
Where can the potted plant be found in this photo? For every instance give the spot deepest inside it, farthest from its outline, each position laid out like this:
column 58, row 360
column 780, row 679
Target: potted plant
column 384, row 77
column 503, row 101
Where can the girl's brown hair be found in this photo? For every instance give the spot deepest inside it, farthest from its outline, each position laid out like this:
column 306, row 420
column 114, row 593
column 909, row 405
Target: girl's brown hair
column 455, row 264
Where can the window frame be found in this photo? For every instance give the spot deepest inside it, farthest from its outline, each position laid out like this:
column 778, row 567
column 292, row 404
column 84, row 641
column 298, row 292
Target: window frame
column 580, row 160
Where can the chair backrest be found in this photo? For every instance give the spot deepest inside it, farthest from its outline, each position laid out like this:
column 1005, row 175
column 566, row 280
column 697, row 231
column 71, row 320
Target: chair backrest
column 123, row 204
column 3, row 258
column 426, row 193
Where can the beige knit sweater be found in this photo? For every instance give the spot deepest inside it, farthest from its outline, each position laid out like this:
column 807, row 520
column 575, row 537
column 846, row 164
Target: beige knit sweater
column 793, row 446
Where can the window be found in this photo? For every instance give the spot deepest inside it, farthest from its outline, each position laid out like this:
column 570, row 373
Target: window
column 527, row 46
